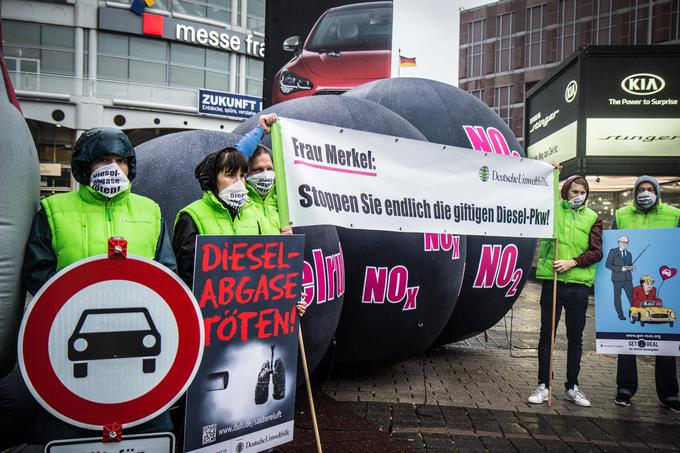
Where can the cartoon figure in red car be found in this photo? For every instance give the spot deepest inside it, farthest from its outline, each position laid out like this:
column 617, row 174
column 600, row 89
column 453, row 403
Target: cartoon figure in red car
column 646, row 307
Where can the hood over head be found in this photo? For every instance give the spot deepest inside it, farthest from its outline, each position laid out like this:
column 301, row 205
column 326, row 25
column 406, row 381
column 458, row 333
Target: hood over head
column 567, row 184
column 652, row 181
column 99, row 142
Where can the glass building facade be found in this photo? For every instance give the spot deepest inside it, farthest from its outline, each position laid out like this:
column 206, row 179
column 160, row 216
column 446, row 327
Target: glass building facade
column 71, row 75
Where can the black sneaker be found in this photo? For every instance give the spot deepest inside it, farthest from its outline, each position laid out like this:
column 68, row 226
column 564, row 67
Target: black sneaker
column 622, row 399
column 672, row 405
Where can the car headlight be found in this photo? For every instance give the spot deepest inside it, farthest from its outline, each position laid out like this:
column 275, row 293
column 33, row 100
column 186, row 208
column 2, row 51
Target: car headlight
column 290, row 82
column 149, row 341
column 80, row 344
column 671, row 314
column 645, row 314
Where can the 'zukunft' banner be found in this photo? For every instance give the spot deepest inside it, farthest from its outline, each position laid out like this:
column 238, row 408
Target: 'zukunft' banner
column 369, row 181
column 243, row 396
column 228, row 104
column 637, row 293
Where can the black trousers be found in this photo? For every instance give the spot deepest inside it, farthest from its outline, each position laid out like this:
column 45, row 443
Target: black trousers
column 628, row 288
column 573, row 297
column 665, row 373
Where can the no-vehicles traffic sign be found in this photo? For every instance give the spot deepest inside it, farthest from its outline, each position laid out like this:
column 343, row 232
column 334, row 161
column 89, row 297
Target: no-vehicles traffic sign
column 111, row 340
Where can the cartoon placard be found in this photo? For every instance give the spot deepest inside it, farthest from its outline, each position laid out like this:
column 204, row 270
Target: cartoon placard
column 637, row 293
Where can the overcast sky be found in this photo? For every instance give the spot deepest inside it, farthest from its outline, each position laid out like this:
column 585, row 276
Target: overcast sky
column 429, row 31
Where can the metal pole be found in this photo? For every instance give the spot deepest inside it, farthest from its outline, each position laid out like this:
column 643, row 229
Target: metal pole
column 552, row 329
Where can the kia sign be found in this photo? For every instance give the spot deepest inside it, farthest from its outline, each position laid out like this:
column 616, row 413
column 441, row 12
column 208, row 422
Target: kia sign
column 552, row 115
column 609, row 110
column 228, row 104
column 643, row 84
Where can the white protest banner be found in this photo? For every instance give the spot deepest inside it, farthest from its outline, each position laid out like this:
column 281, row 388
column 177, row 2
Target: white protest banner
column 362, row 180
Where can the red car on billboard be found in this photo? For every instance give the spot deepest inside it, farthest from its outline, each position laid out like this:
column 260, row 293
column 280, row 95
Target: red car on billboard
column 348, row 46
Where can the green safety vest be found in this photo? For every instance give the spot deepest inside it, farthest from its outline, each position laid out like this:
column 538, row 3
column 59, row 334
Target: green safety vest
column 211, row 217
column 661, row 216
column 268, row 210
column 573, row 233
column 81, row 223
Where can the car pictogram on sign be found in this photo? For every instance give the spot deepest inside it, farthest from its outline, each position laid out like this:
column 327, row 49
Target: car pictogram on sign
column 114, row 333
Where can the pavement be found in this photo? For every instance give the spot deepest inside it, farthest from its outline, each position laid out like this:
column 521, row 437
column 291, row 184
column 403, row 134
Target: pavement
column 471, row 396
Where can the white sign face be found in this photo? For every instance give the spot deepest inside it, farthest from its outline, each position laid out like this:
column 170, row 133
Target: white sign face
column 136, row 443
column 50, row 169
column 369, row 181
column 559, row 146
column 110, row 340
column 129, row 350
column 633, row 137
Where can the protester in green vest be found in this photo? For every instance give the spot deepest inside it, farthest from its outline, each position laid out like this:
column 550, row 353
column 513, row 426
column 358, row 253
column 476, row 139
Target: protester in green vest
column 647, row 211
column 77, row 225
column 579, row 246
column 260, row 181
column 220, row 210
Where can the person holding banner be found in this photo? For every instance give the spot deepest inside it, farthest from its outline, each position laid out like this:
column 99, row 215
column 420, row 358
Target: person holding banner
column 76, row 225
column 260, row 177
column 647, row 211
column 579, row 236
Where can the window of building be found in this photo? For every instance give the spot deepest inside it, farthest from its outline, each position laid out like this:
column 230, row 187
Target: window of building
column 502, row 103
column 158, row 62
column 504, row 26
column 478, row 94
column 535, row 38
column 639, row 23
column 675, row 21
column 602, row 22
column 566, row 28
column 219, row 10
column 475, row 50
column 256, row 15
column 32, row 48
column 158, row 4
column 254, row 76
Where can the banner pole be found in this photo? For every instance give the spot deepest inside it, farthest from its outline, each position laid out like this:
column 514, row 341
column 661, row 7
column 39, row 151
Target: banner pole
column 280, row 175
column 309, row 389
column 552, row 329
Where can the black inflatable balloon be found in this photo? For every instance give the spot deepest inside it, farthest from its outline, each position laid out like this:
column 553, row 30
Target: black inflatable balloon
column 165, row 168
column 401, row 290
column 388, row 331
column 323, row 289
column 19, row 197
column 342, row 112
column 448, row 115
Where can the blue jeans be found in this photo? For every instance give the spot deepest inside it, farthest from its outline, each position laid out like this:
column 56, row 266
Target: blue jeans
column 574, row 298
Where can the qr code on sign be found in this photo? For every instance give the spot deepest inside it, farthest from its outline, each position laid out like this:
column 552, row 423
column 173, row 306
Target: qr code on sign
column 209, row 433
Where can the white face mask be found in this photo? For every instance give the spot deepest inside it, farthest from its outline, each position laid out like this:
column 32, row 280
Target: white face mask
column 646, row 199
column 109, row 180
column 234, row 195
column 262, row 182
column 577, row 201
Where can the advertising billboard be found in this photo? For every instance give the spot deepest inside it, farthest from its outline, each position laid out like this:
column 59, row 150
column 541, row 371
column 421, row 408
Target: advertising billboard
column 552, row 116
column 624, row 117
column 635, row 110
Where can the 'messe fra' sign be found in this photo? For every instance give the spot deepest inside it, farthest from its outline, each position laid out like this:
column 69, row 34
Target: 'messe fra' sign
column 213, row 38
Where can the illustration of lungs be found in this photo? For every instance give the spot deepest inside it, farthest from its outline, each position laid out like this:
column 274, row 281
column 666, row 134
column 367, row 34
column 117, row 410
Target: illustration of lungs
column 279, row 380
column 262, row 387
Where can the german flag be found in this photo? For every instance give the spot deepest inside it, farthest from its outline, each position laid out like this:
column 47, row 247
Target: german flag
column 406, row 61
